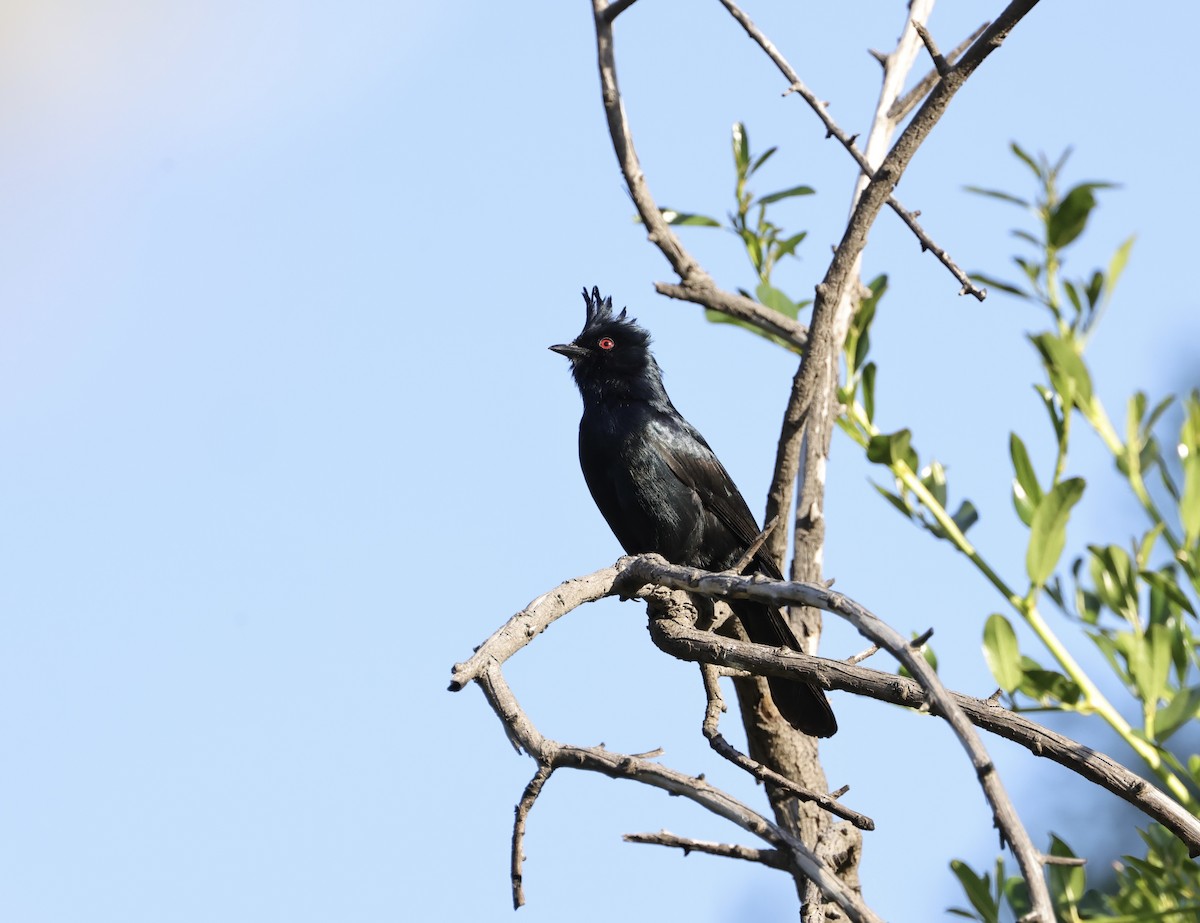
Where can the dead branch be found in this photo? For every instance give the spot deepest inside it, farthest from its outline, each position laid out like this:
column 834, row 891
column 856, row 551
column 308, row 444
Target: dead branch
column 653, row 569
column 695, row 285
column 762, row 773
column 833, row 130
column 551, row 755
column 687, row 643
column 910, row 100
column 773, row 858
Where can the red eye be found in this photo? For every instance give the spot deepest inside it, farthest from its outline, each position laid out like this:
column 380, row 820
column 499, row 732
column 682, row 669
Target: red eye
column 606, row 343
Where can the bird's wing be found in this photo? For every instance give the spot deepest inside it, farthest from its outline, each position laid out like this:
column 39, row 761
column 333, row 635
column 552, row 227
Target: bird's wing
column 697, row 466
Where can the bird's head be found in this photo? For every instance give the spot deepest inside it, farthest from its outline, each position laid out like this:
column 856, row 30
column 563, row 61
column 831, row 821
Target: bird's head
column 611, row 356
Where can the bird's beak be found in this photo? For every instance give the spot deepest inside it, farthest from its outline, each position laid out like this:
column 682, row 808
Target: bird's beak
column 570, row 350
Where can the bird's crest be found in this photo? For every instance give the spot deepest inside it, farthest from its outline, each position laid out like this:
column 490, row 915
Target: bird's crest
column 599, row 309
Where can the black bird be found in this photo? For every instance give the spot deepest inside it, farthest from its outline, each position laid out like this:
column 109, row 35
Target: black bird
column 661, row 488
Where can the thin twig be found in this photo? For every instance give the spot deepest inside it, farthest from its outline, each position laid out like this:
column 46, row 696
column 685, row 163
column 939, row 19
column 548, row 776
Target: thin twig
column 624, row 766
column 773, row 858
column 910, row 100
column 748, row 555
column 939, row 63
column 832, row 130
column 916, row 644
column 524, row 806
column 760, row 772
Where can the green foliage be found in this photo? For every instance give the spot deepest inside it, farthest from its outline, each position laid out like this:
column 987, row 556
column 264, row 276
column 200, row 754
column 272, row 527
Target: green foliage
column 1135, row 601
column 1162, row 886
column 765, row 242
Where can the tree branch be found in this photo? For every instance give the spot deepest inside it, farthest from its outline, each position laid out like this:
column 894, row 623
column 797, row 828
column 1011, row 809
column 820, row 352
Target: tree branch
column 695, row 284
column 832, row 130
column 551, row 755
column 646, row 569
column 772, row 858
column 909, row 101
column 760, row 772
column 688, row 643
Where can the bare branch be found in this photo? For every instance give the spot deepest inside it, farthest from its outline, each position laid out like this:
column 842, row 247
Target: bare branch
column 531, row 621
column 616, row 8
column 748, row 555
column 939, row 63
column 741, row 656
column 1012, row 830
column 532, row 790
column 1098, row 768
column 916, row 644
column 910, row 100
column 695, row 284
column 773, row 858
column 758, row 770
column 554, row 755
column 832, row 130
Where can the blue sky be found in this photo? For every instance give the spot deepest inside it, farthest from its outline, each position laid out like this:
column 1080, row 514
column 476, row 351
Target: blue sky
column 284, row 440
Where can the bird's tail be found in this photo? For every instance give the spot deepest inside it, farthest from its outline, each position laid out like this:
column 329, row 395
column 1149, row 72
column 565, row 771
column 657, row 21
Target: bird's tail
column 802, row 705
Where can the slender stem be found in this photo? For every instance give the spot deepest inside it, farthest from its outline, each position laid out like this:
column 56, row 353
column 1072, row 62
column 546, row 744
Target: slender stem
column 1096, row 415
column 1095, row 700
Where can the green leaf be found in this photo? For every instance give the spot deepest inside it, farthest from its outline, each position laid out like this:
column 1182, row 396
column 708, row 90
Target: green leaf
column 965, row 516
column 786, row 194
column 776, row 300
column 1189, row 503
column 997, row 194
column 1069, row 217
column 1150, row 663
column 890, row 448
column 741, row 148
column 1001, row 651
column 1114, row 576
column 1107, row 646
column 1047, row 687
column 681, row 219
column 1164, row 582
column 788, row 246
column 1029, row 161
column 933, row 476
column 1183, row 707
column 1048, row 530
column 1026, row 491
column 898, row 502
column 1047, row 397
column 1159, row 409
column 1067, row 882
column 998, row 284
column 978, row 891
column 760, row 160
column 1068, row 374
column 1073, row 295
column 1134, row 412
column 868, row 390
column 1116, row 266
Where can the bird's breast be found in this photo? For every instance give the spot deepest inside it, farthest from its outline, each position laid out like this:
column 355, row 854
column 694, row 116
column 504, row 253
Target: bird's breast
column 644, row 503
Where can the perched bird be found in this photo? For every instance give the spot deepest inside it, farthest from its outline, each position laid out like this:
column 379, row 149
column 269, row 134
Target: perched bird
column 661, row 488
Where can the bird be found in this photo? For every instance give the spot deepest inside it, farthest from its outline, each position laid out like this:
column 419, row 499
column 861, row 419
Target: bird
column 663, row 490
